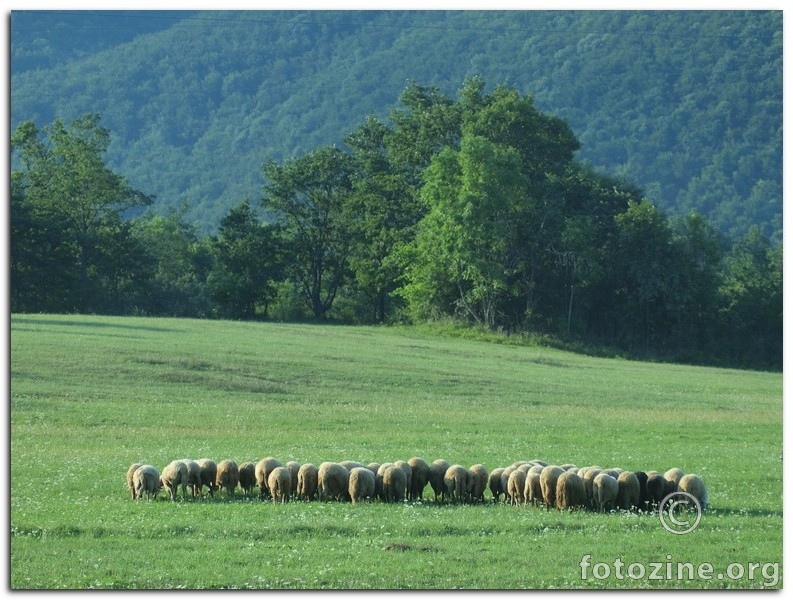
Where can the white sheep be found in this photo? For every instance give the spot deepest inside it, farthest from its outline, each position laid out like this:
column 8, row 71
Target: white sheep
column 307, row 482
column 570, row 493
column 437, row 472
column 477, row 482
column 694, row 485
column 263, row 469
column 279, row 482
column 173, row 475
column 394, row 483
column 421, row 473
column 333, row 481
column 516, row 486
column 628, row 490
column 548, row 478
column 456, row 482
column 228, row 476
column 146, row 478
column 130, row 472
column 605, row 488
column 361, row 484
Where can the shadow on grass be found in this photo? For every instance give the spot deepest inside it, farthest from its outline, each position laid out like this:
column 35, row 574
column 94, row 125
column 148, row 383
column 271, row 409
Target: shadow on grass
column 77, row 322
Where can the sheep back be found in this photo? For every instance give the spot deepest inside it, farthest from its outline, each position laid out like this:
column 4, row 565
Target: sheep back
column 146, row 478
column 332, row 481
column 570, row 491
column 209, row 471
column 263, row 469
column 628, row 492
column 436, row 474
column 361, row 484
column 421, row 473
column 516, row 486
column 694, row 485
column 477, row 482
column 173, row 475
column 307, row 482
column 130, row 472
column 247, row 477
column 280, row 484
column 394, row 483
column 494, row 483
column 228, row 476
column 548, row 478
column 605, row 489
column 456, row 482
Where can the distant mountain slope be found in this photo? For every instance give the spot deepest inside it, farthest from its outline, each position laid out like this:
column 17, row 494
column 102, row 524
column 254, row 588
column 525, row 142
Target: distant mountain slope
column 687, row 104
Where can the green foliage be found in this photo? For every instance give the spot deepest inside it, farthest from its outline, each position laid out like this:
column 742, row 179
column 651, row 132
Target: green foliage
column 91, row 395
column 686, row 103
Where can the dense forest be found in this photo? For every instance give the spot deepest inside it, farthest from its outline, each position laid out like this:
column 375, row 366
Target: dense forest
column 687, row 104
column 472, row 208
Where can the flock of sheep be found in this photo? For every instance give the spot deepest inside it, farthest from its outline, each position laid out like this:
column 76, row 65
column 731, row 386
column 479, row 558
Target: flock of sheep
column 565, row 487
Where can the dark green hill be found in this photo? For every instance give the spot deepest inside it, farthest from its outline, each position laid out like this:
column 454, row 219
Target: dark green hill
column 687, row 104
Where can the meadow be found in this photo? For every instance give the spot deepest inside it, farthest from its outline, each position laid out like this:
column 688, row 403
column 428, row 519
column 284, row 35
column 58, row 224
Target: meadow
column 91, row 395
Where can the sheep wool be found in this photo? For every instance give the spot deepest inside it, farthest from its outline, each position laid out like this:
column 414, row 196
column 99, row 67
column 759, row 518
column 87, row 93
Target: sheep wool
column 394, row 483
column 456, row 481
column 333, row 481
column 361, row 484
column 494, row 483
column 146, row 478
column 570, row 493
column 605, row 489
column 437, row 472
column 280, row 484
column 263, row 469
column 421, row 473
column 209, row 471
column 548, row 478
column 228, row 476
column 247, row 477
column 694, row 485
column 130, row 472
column 307, row 482
column 173, row 475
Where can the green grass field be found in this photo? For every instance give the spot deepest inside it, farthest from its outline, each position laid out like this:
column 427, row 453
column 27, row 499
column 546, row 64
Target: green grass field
column 91, row 395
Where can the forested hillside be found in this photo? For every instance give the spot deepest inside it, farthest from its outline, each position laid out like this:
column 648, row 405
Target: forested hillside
column 685, row 104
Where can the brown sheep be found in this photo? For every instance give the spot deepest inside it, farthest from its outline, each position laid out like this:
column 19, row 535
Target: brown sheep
column 307, row 482
column 294, row 469
column 673, row 476
column 505, row 482
column 394, row 483
column 548, row 479
column 437, row 472
column 629, row 492
column 333, row 482
column 173, row 475
column 280, row 484
column 570, row 493
column 130, row 472
column 209, row 471
column 228, row 476
column 589, row 479
column 263, row 469
column 247, row 477
column 421, row 473
column 378, row 480
column 361, row 485
column 146, row 478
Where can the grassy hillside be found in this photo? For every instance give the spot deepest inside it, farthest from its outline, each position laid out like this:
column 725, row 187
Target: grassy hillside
column 688, row 104
column 91, row 395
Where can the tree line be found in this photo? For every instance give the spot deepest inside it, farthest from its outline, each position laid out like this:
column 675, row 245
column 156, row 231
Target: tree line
column 471, row 208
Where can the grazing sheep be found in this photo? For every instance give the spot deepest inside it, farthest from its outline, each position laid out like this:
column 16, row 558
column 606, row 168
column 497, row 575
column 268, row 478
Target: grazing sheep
column 477, row 482
column 437, row 472
column 548, row 479
column 673, row 476
column 228, row 476
column 209, row 471
column 294, row 469
column 263, row 469
column 408, row 475
column 537, row 461
column 605, row 489
column 421, row 473
column 130, row 472
column 394, row 483
column 505, row 482
column 644, row 499
column 279, row 483
column 146, row 478
column 456, row 481
column 247, row 477
column 524, row 467
column 494, row 483
column 614, row 472
column 333, row 482
column 351, row 464
column 570, row 493
column 656, row 487
column 567, row 466
column 307, row 482
column 532, row 490
column 694, row 485
column 589, row 479
column 516, row 484
column 173, row 475
column 373, row 467
column 378, row 481
column 361, row 485
column 193, row 476
column 628, row 492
